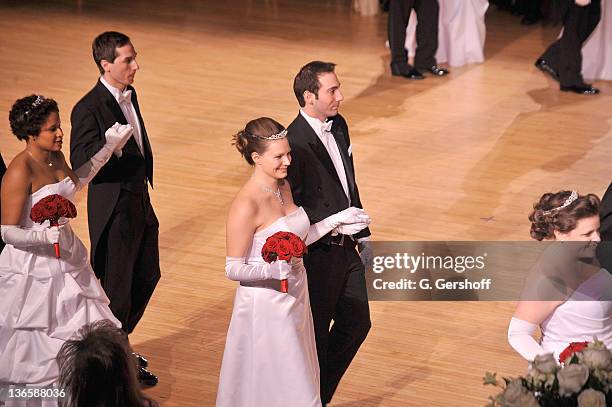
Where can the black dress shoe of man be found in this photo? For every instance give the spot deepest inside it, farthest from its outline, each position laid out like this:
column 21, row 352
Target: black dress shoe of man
column 146, row 378
column 543, row 66
column 581, row 90
column 141, row 361
column 436, row 70
column 406, row 71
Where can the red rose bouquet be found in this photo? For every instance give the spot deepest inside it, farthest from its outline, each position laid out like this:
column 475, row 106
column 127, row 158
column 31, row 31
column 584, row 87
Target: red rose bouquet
column 283, row 246
column 572, row 348
column 52, row 208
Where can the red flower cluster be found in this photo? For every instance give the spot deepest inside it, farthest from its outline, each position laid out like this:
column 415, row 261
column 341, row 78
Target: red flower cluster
column 572, row 348
column 283, row 246
column 52, row 208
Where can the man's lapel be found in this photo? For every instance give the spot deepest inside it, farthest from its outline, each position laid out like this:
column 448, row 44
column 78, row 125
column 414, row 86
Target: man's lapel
column 317, row 147
column 339, row 136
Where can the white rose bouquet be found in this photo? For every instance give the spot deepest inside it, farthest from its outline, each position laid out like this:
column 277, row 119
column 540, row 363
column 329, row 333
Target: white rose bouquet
column 584, row 379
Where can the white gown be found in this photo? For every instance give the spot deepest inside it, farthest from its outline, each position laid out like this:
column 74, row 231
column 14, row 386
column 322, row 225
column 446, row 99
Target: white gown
column 44, row 300
column 583, row 316
column 461, row 32
column 270, row 357
column 597, row 51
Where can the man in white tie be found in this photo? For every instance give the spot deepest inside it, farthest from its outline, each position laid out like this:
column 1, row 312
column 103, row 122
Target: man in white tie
column 123, row 228
column 322, row 179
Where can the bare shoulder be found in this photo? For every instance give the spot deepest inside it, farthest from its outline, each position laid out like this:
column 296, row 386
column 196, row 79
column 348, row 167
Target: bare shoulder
column 19, row 172
column 243, row 208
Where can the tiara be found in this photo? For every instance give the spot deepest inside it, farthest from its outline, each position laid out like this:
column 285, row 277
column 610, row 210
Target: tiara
column 573, row 196
column 35, row 103
column 277, row 136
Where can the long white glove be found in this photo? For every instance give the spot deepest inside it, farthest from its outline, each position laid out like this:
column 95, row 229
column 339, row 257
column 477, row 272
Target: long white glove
column 348, row 222
column 14, row 235
column 520, row 337
column 116, row 137
column 236, row 269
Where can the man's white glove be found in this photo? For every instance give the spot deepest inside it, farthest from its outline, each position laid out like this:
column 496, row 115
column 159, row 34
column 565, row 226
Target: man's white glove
column 14, row 235
column 236, row 269
column 116, row 137
column 356, row 217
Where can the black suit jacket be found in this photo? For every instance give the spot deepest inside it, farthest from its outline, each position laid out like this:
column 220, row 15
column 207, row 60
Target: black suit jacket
column 315, row 184
column 91, row 117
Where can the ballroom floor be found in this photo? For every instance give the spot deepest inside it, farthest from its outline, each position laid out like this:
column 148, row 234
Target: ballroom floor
column 457, row 158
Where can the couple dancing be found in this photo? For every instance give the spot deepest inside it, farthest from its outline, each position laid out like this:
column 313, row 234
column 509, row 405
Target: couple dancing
column 303, row 182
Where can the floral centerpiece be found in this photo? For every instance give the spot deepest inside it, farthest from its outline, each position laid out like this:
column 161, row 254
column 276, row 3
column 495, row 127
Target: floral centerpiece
column 583, row 380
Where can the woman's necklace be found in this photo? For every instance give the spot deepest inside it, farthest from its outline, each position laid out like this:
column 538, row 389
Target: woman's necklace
column 276, row 193
column 50, row 163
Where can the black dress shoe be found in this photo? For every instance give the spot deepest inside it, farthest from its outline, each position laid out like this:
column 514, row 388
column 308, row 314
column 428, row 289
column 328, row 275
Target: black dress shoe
column 141, row 360
column 437, row 71
column 582, row 89
column 406, row 71
column 146, row 378
column 543, row 66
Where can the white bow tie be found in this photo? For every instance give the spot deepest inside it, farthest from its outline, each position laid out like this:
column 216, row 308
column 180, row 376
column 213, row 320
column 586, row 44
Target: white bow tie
column 125, row 97
column 326, row 127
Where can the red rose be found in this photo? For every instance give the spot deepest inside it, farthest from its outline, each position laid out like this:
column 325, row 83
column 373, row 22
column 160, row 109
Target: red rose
column 284, row 250
column 272, row 243
column 297, row 247
column 283, row 235
column 572, row 348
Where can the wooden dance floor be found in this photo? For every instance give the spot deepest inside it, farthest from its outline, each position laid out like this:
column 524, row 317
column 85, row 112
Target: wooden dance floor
column 457, row 158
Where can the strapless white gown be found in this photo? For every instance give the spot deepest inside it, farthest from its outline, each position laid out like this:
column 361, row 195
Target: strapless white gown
column 461, row 32
column 44, row 301
column 584, row 315
column 270, row 356
column 597, row 50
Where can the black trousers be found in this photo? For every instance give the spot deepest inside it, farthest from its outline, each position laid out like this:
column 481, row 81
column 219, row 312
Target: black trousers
column 565, row 54
column 336, row 282
column 131, row 260
column 426, row 31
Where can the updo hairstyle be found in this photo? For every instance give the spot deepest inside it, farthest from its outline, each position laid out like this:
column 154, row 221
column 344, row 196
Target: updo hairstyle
column 28, row 115
column 252, row 139
column 549, row 214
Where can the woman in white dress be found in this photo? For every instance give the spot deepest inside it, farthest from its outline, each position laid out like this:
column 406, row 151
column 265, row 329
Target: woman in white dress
column 44, row 300
column 570, row 303
column 270, row 354
column 461, row 32
column 597, row 51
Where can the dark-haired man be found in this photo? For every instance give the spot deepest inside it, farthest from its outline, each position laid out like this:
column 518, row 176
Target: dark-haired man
column 322, row 181
column 123, row 228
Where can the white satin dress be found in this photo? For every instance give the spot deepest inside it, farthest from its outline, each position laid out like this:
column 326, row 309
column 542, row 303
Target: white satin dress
column 461, row 32
column 597, row 50
column 586, row 314
column 44, row 301
column 270, row 357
